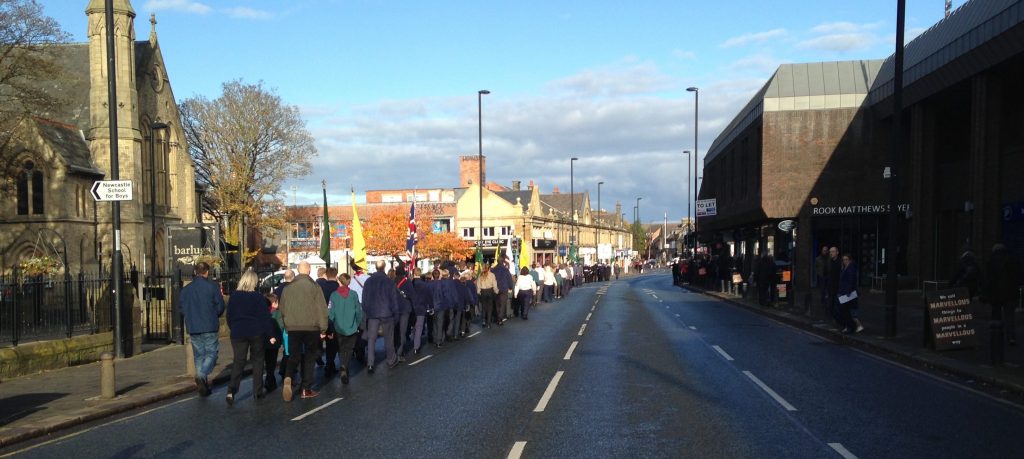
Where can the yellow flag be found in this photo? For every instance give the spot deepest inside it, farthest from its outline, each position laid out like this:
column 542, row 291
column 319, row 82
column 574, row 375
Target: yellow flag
column 358, row 243
column 524, row 254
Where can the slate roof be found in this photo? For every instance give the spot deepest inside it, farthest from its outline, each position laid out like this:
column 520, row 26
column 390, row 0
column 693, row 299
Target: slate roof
column 510, row 196
column 71, row 85
column 68, row 142
column 562, row 202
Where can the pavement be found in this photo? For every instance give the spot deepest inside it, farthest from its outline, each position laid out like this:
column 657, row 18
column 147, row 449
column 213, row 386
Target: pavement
column 38, row 405
column 971, row 367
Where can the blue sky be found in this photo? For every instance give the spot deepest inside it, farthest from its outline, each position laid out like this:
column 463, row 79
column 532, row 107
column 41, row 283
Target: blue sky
column 388, row 88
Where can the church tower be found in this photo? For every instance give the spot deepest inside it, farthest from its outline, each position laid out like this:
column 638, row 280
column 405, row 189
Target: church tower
column 128, row 134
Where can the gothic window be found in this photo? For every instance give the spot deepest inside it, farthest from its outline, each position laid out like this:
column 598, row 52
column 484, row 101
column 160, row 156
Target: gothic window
column 30, row 190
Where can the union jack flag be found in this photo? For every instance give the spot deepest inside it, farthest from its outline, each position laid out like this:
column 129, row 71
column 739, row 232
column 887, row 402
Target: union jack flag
column 410, row 242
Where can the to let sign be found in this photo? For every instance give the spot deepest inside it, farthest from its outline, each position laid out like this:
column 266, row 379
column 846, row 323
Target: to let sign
column 707, row 207
column 112, row 190
column 950, row 317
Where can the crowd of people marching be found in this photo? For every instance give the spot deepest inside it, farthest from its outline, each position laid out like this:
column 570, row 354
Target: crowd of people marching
column 331, row 319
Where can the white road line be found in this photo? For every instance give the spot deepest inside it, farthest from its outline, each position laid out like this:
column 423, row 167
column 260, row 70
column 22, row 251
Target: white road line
column 582, row 327
column 314, row 410
column 424, row 358
column 655, row 296
column 517, row 450
column 842, row 450
column 592, row 308
column 66, row 437
column 677, row 315
column 770, row 392
column 588, row 316
column 572, row 347
column 474, row 334
column 543, row 403
column 724, row 354
column 692, row 327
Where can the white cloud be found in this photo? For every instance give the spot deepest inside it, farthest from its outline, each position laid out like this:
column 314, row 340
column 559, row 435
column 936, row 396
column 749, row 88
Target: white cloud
column 761, row 64
column 242, row 12
column 755, row 37
column 187, row 6
column 842, row 37
column 631, row 137
column 684, row 54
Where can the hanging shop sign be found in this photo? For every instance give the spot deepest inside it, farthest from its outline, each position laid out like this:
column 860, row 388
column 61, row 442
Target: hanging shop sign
column 787, row 225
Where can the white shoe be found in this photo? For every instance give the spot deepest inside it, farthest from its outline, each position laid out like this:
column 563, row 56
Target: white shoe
column 859, row 329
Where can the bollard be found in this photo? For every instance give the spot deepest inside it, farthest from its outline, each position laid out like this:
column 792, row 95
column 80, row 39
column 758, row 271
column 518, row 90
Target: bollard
column 190, row 360
column 723, row 287
column 107, row 390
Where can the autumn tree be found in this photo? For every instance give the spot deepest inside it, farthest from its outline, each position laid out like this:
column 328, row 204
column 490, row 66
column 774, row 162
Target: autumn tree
column 245, row 144
column 387, row 229
column 27, row 57
column 445, row 246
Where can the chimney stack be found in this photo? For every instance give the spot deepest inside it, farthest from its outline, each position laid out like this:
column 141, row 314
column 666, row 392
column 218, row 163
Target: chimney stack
column 555, row 191
column 515, row 185
column 531, row 185
column 469, row 170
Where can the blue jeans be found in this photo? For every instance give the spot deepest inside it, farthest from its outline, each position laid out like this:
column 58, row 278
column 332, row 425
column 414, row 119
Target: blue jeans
column 204, row 349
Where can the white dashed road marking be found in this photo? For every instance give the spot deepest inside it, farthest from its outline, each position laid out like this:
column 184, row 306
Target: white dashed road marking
column 588, row 316
column 770, row 392
column 474, row 334
column 314, row 410
column 724, row 354
column 517, row 450
column 582, row 327
column 420, row 360
column 692, row 327
column 842, row 450
column 544, row 399
column 572, row 347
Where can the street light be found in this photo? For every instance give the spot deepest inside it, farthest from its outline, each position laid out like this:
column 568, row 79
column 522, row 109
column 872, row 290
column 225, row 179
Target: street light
column 688, row 173
column 597, row 238
column 696, row 154
column 572, row 210
column 480, row 163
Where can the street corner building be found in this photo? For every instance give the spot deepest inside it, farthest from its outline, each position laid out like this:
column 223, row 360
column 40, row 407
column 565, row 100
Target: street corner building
column 805, row 163
column 61, row 154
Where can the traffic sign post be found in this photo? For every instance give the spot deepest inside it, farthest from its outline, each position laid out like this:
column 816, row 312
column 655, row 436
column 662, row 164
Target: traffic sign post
column 112, row 190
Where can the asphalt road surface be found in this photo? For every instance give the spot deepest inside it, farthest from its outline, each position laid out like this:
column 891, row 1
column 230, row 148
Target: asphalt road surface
column 634, row 368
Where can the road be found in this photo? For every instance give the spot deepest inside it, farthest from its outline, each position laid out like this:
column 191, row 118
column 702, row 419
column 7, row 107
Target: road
column 631, row 368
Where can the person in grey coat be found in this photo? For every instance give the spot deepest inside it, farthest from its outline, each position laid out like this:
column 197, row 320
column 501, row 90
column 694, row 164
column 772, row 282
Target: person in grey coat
column 380, row 304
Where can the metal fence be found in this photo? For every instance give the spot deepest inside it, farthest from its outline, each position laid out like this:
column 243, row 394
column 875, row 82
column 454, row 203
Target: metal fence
column 51, row 307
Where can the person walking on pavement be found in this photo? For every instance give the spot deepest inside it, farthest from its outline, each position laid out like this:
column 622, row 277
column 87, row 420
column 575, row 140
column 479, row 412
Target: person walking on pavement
column 487, row 289
column 820, row 271
column 304, row 315
column 834, row 271
column 848, row 302
column 765, row 279
column 249, row 321
column 271, row 350
column 1001, row 289
column 525, row 286
column 346, row 316
column 380, row 304
column 202, row 305
column 504, row 280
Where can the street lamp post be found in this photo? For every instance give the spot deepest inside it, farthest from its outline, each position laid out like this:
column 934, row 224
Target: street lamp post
column 891, row 285
column 696, row 154
column 480, row 163
column 636, row 218
column 597, row 237
column 572, row 210
column 688, row 173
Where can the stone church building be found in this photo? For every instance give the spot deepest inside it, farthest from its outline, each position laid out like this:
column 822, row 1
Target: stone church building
column 61, row 155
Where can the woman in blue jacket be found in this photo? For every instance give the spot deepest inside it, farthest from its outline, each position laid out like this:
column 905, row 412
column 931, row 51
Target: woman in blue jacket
column 249, row 321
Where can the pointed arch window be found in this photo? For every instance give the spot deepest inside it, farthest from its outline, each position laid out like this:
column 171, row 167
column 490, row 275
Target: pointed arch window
column 30, row 190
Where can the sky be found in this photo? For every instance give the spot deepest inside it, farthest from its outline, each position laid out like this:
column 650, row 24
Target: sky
column 389, row 88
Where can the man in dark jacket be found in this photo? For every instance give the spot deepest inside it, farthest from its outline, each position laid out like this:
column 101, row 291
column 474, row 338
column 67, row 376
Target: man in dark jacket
column 406, row 297
column 380, row 303
column 833, row 270
column 444, row 298
column 304, row 315
column 504, row 280
column 1002, row 289
column 202, row 305
column 329, row 284
column 765, row 276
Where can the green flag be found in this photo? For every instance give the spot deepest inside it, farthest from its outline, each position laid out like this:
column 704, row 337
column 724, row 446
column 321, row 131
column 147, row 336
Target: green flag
column 479, row 258
column 325, row 234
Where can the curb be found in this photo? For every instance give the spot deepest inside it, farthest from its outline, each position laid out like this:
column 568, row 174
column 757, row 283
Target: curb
column 916, row 360
column 12, row 435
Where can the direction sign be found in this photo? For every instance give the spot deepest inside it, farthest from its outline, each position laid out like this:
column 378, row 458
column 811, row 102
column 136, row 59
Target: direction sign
column 112, row 190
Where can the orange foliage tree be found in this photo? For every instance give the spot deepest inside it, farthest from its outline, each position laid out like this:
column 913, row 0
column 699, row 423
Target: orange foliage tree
column 387, row 229
column 446, row 246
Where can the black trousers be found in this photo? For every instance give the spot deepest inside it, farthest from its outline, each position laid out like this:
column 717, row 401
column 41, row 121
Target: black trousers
column 270, row 352
column 487, row 308
column 345, row 345
column 297, row 340
column 501, row 305
column 247, row 349
column 330, row 353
